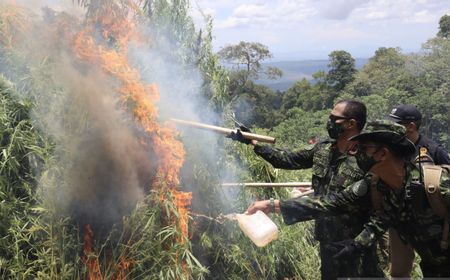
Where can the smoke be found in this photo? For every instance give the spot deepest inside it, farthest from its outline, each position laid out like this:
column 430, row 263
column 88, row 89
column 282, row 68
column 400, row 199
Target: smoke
column 103, row 163
column 106, row 166
column 181, row 85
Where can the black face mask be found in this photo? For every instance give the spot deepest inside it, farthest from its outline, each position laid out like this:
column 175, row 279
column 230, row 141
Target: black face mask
column 334, row 129
column 364, row 161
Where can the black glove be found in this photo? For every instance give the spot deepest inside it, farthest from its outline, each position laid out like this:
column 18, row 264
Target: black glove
column 237, row 136
column 347, row 248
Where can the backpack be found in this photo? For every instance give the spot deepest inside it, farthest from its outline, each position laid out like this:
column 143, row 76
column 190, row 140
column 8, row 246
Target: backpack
column 432, row 180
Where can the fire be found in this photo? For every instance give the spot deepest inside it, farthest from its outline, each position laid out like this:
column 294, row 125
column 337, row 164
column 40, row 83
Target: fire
column 121, row 269
column 117, row 25
column 183, row 200
column 14, row 24
column 89, row 259
column 114, row 23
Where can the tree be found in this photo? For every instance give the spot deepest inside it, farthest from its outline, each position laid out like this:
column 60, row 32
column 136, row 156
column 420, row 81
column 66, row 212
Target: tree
column 381, row 72
column 342, row 68
column 444, row 26
column 246, row 58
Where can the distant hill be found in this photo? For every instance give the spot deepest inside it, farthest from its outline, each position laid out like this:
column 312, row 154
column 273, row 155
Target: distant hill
column 297, row 70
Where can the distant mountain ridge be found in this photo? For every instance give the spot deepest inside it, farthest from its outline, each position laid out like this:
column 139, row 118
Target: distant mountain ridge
column 294, row 71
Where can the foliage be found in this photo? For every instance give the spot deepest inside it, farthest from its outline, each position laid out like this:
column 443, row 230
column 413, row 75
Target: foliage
column 301, row 126
column 248, row 55
column 391, row 78
column 256, row 105
column 342, row 69
column 215, row 76
column 444, row 26
column 308, row 96
column 147, row 241
column 33, row 244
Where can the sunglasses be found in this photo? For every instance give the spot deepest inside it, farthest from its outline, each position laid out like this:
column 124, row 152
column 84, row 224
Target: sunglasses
column 334, row 118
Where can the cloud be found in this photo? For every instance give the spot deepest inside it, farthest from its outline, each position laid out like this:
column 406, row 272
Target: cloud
column 405, row 11
column 340, row 32
column 288, row 26
column 247, row 14
column 423, row 16
column 257, row 13
column 338, row 9
column 267, row 13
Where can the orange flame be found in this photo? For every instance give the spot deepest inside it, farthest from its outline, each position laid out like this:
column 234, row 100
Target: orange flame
column 182, row 201
column 122, row 268
column 114, row 61
column 15, row 24
column 89, row 259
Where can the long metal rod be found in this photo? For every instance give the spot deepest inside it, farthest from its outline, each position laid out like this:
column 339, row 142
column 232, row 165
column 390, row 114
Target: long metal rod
column 269, row 185
column 226, row 131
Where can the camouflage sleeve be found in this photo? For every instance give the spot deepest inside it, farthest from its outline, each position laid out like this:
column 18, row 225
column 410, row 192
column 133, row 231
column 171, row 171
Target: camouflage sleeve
column 445, row 191
column 353, row 199
column 284, row 159
column 373, row 230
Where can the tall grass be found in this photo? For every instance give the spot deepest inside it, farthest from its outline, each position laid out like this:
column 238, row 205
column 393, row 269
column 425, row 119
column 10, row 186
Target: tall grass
column 38, row 240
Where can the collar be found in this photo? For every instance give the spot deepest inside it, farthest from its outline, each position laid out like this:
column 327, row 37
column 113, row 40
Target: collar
column 406, row 189
column 352, row 148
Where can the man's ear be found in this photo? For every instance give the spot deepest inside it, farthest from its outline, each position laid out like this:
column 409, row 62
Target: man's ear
column 382, row 154
column 411, row 126
column 351, row 123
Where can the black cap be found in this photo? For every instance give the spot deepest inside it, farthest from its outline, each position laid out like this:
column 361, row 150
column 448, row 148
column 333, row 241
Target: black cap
column 405, row 113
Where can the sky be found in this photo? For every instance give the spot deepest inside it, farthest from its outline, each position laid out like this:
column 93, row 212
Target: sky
column 312, row 29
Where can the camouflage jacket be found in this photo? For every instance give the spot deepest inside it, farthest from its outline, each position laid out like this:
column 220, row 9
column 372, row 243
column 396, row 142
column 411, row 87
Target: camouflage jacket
column 329, row 176
column 407, row 210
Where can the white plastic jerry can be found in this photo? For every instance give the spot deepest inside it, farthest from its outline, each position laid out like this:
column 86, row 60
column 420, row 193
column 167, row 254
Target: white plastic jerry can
column 258, row 227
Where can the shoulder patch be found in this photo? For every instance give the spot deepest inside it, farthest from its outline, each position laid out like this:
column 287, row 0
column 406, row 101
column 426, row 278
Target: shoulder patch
column 359, row 188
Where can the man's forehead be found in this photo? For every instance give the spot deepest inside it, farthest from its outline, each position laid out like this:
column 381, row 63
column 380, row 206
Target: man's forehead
column 338, row 109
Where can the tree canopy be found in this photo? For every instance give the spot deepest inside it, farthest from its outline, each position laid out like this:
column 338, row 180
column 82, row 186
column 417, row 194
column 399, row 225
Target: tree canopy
column 444, row 26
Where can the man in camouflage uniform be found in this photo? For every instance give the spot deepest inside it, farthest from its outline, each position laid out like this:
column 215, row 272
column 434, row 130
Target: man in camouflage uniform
column 401, row 254
column 390, row 190
column 333, row 170
column 411, row 118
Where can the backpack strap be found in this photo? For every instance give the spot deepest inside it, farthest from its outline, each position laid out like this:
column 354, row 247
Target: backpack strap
column 432, row 179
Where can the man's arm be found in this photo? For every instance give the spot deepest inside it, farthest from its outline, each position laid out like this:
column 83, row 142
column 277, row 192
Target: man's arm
column 373, row 230
column 284, row 159
column 353, row 199
column 441, row 156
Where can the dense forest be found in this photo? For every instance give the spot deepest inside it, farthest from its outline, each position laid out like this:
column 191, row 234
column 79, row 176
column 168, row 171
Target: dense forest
column 97, row 183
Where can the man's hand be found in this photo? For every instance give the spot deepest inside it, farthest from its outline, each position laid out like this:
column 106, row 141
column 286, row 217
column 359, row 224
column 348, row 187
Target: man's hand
column 347, row 248
column 237, row 136
column 263, row 205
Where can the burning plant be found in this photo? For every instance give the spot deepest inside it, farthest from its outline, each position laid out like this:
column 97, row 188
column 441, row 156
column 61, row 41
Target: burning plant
column 111, row 153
